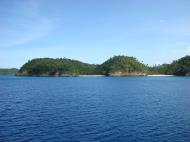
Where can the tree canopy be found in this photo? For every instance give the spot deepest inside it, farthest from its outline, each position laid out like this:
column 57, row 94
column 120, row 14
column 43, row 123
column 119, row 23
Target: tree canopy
column 181, row 67
column 117, row 65
column 122, row 64
column 8, row 71
column 61, row 66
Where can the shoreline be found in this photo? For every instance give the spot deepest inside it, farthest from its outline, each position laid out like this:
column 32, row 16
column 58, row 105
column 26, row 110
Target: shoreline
column 96, row 75
column 160, row 75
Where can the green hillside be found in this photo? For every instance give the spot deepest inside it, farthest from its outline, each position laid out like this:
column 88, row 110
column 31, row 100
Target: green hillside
column 56, row 67
column 121, row 66
column 115, row 66
column 181, row 67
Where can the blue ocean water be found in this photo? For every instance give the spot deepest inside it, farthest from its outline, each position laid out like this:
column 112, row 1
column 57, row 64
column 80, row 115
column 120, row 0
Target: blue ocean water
column 58, row 109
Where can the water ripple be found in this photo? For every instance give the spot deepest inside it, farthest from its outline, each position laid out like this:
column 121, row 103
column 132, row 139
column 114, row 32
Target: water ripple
column 94, row 109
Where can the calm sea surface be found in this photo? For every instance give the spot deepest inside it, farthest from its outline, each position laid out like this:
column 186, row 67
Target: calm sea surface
column 57, row 109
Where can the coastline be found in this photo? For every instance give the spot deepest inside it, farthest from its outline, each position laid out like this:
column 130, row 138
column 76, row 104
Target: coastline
column 160, row 75
column 96, row 75
column 67, row 75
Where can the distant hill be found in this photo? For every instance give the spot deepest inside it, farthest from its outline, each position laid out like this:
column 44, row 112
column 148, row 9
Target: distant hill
column 181, row 67
column 115, row 66
column 56, row 67
column 122, row 66
column 8, row 71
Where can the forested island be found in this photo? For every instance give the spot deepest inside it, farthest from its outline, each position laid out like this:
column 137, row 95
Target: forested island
column 122, row 66
column 115, row 66
column 180, row 67
column 56, row 67
column 5, row 71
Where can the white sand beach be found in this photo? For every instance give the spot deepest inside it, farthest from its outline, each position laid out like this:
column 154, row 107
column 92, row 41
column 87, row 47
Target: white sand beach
column 160, row 75
column 91, row 75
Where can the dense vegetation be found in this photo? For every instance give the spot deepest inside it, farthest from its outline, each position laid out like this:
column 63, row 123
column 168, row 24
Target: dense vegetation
column 122, row 65
column 116, row 66
column 8, row 71
column 160, row 69
column 56, row 67
column 179, row 67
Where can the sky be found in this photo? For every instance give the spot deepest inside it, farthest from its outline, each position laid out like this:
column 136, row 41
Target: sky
column 153, row 31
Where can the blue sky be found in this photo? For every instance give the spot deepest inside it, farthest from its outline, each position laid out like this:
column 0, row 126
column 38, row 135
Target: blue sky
column 154, row 31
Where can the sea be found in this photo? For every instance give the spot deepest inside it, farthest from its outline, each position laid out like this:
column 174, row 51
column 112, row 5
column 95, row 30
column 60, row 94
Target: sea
column 94, row 109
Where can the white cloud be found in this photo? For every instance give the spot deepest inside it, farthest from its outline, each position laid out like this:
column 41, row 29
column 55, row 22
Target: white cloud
column 24, row 24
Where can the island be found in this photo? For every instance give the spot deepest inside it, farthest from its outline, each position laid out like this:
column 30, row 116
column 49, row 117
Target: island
column 122, row 66
column 115, row 66
column 56, row 67
column 180, row 67
column 8, row 71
